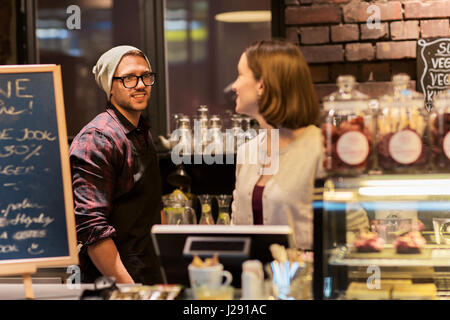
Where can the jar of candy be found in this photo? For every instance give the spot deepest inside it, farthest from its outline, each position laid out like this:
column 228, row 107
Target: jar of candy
column 401, row 129
column 440, row 131
column 348, row 129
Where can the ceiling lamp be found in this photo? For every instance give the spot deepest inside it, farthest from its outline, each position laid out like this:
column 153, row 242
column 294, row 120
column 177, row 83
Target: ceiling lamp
column 245, row 16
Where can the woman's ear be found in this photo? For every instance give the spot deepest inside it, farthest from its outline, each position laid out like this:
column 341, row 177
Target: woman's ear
column 260, row 87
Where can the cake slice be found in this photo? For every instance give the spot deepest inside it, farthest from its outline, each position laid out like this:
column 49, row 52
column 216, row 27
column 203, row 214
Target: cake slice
column 360, row 291
column 368, row 242
column 411, row 242
column 420, row 291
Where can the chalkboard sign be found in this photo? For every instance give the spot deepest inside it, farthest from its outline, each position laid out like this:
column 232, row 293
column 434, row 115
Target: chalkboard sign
column 433, row 67
column 37, row 224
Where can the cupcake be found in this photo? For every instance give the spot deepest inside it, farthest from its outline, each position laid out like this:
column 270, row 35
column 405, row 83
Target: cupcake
column 411, row 242
column 369, row 242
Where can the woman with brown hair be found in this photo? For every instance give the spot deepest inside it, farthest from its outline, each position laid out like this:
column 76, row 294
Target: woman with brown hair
column 276, row 170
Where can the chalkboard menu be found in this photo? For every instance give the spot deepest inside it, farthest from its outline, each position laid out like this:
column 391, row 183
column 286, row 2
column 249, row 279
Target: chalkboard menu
column 37, row 224
column 433, row 67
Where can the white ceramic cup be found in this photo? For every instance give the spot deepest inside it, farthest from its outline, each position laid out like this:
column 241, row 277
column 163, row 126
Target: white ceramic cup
column 211, row 277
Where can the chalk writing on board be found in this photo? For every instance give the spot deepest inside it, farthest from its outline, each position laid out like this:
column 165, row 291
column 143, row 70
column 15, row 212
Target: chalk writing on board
column 13, row 170
column 23, row 205
column 27, row 134
column 27, row 234
column 12, row 110
column 435, row 71
column 7, row 248
column 26, row 221
column 32, row 219
column 20, row 150
column 18, row 87
column 34, row 249
column 15, row 214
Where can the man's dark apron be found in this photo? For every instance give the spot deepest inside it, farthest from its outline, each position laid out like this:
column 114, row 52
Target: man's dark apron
column 133, row 215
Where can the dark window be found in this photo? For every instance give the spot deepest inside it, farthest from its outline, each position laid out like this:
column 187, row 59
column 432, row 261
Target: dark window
column 103, row 25
column 203, row 50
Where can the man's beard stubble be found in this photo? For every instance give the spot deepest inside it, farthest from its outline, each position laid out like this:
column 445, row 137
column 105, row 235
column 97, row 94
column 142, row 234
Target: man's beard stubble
column 128, row 106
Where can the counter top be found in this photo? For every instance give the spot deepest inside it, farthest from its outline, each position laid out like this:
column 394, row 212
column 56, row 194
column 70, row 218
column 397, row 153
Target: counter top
column 16, row 291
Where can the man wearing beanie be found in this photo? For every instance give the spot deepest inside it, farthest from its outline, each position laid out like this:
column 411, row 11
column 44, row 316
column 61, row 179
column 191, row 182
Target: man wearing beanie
column 115, row 175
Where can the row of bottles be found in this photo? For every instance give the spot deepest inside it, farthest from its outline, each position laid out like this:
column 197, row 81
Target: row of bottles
column 207, row 134
column 223, row 202
column 180, row 210
column 392, row 134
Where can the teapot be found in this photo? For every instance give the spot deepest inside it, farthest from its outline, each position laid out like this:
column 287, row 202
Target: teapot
column 165, row 142
column 181, row 134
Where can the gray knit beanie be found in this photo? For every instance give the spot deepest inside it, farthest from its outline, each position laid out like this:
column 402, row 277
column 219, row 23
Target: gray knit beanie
column 107, row 64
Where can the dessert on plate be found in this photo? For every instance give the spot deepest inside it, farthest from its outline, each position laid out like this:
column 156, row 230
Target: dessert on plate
column 410, row 242
column 368, row 242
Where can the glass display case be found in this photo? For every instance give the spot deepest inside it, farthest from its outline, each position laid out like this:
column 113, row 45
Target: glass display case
column 385, row 237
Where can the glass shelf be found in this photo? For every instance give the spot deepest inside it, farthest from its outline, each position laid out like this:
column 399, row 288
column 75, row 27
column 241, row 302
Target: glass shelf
column 431, row 187
column 432, row 256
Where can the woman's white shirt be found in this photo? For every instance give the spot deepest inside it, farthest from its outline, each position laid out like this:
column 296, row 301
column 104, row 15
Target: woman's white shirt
column 290, row 189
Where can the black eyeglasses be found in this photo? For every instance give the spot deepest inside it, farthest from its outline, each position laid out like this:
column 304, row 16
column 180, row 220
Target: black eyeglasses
column 131, row 81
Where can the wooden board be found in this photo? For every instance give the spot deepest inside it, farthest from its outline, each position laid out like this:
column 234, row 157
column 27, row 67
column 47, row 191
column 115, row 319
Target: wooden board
column 37, row 223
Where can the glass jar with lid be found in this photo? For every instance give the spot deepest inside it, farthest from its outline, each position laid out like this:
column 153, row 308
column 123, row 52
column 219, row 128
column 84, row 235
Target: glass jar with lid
column 249, row 130
column 203, row 112
column 348, row 129
column 182, row 136
column 236, row 131
column 201, row 126
column 401, row 129
column 440, row 131
column 215, row 122
column 215, row 136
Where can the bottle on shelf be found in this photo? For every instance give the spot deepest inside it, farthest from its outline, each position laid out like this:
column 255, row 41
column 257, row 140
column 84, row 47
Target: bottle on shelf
column 201, row 124
column 215, row 137
column 182, row 136
column 224, row 201
column 249, row 131
column 234, row 137
column 206, row 216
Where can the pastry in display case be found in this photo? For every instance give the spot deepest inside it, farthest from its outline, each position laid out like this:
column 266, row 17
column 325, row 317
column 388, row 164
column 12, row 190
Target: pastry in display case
column 368, row 242
column 411, row 242
column 385, row 237
column 394, row 289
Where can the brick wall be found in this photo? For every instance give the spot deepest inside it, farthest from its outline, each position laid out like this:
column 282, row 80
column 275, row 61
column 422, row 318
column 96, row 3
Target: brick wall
column 336, row 38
